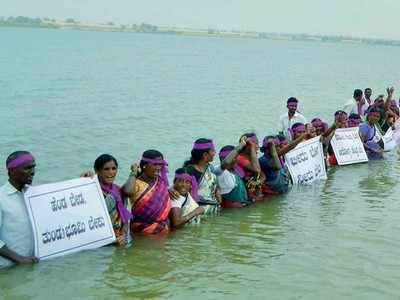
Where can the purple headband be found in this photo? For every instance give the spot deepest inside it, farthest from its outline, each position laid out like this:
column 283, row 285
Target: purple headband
column 161, row 162
column 317, row 123
column 225, row 153
column 353, row 122
column 203, row 146
column 195, row 186
column 299, row 128
column 254, row 139
column 20, row 160
column 266, row 142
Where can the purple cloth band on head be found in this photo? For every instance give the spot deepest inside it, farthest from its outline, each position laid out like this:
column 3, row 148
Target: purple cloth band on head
column 254, row 139
column 353, row 122
column 195, row 186
column 203, row 146
column 317, row 123
column 20, row 160
column 115, row 191
column 155, row 161
column 274, row 140
column 163, row 163
column 224, row 154
column 299, row 128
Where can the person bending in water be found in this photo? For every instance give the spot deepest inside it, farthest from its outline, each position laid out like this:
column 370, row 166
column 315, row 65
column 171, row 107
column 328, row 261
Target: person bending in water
column 106, row 168
column 185, row 209
column 149, row 195
column 16, row 236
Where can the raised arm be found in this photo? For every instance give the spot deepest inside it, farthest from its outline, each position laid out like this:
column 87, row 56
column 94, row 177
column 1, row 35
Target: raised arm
column 291, row 145
column 129, row 186
column 234, row 154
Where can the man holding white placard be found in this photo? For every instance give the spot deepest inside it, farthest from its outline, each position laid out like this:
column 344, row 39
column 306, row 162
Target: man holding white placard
column 16, row 236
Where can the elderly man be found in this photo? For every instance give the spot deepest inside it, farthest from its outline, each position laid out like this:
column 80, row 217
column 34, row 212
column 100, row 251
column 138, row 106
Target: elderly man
column 16, row 236
column 287, row 120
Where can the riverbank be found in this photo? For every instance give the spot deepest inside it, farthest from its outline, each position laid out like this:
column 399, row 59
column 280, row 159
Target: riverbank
column 149, row 28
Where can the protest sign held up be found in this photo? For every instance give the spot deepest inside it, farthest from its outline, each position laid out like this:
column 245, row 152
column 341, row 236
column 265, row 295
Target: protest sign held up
column 68, row 216
column 391, row 139
column 306, row 162
column 348, row 147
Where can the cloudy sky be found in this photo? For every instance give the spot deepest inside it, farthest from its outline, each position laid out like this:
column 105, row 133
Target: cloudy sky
column 370, row 18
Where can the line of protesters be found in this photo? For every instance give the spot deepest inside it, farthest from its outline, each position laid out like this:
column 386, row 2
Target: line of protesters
column 147, row 204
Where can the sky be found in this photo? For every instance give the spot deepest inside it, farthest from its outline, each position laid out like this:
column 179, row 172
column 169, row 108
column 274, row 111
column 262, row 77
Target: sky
column 362, row 18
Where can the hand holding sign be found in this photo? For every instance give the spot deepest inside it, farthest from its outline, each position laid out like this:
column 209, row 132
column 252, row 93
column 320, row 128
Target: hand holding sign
column 68, row 216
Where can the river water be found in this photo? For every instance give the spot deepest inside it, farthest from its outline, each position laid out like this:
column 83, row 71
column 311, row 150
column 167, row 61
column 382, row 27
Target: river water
column 69, row 96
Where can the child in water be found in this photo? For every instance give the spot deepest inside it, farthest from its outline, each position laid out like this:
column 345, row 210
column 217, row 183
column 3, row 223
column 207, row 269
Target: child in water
column 185, row 209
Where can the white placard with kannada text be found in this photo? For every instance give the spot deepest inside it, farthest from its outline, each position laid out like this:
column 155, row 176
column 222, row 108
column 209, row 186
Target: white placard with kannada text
column 348, row 147
column 306, row 162
column 68, row 217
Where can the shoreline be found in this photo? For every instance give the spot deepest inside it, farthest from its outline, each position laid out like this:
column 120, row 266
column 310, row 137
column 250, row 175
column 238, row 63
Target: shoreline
column 70, row 24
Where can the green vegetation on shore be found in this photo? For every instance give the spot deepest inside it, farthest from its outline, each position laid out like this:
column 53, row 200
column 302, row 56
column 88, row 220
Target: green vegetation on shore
column 70, row 23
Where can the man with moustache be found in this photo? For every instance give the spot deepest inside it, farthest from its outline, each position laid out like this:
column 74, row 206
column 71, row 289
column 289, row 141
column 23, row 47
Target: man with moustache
column 16, row 236
column 287, row 120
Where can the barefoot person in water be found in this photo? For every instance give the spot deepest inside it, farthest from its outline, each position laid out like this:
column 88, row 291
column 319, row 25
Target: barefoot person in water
column 16, row 235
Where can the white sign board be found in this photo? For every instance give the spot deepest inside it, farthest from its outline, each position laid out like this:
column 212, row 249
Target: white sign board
column 348, row 147
column 68, row 216
column 306, row 162
column 391, row 139
column 388, row 140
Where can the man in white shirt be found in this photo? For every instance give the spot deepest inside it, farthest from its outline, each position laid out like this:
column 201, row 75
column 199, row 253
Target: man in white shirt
column 357, row 105
column 16, row 236
column 287, row 120
column 367, row 96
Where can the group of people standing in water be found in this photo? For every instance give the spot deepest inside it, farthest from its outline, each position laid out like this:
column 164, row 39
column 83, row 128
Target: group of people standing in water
column 147, row 204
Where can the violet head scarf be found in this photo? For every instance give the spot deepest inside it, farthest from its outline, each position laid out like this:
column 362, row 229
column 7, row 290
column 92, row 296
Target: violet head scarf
column 115, row 191
column 203, row 146
column 164, row 170
column 195, row 186
column 20, row 160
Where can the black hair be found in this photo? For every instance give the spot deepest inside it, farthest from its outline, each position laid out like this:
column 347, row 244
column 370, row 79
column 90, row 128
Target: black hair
column 14, row 155
column 373, row 109
column 180, row 171
column 354, row 116
column 151, row 154
column 338, row 112
column 368, row 89
column 227, row 148
column 248, row 135
column 102, row 160
column 281, row 137
column 292, row 100
column 357, row 93
column 295, row 125
column 197, row 154
column 264, row 149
